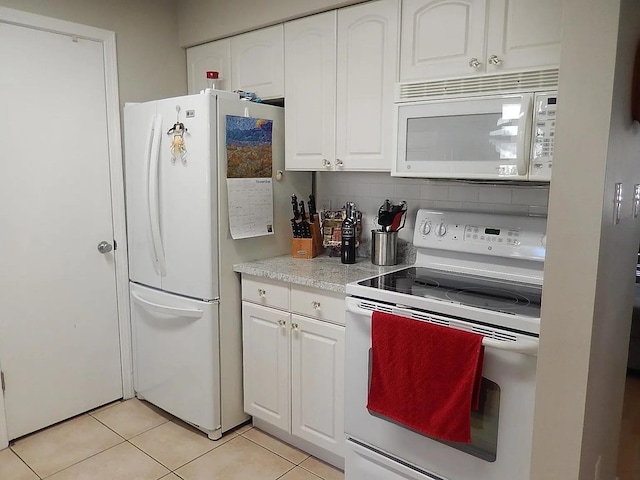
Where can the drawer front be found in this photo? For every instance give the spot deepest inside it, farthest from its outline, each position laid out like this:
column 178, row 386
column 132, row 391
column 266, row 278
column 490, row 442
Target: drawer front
column 264, row 291
column 318, row 304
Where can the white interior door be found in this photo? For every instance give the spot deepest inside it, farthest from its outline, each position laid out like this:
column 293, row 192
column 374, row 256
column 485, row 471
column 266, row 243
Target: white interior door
column 59, row 338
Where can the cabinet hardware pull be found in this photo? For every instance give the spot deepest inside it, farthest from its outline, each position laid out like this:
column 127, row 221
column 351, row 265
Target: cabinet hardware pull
column 339, row 163
column 294, row 326
column 474, row 63
column 494, row 60
column 315, row 305
column 326, row 163
column 262, row 293
column 282, row 323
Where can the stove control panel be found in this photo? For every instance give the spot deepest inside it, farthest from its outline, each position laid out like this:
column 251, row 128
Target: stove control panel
column 489, row 234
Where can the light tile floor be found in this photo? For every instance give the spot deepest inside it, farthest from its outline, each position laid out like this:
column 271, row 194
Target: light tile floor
column 132, row 440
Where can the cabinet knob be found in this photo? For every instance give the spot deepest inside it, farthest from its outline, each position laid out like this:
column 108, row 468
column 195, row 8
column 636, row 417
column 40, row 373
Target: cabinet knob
column 294, row 326
column 262, row 293
column 326, row 163
column 315, row 305
column 339, row 163
column 494, row 60
column 474, row 63
column 282, row 323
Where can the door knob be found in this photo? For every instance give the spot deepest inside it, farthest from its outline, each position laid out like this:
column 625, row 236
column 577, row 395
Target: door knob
column 104, row 247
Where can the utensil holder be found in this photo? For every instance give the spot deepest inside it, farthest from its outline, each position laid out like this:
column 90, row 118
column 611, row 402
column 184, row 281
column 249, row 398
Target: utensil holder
column 384, row 247
column 308, row 247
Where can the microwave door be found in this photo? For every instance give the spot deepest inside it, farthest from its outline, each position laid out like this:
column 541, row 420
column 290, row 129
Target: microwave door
column 482, row 138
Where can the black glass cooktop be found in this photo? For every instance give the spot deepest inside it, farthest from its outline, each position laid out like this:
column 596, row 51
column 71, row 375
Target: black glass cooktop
column 465, row 289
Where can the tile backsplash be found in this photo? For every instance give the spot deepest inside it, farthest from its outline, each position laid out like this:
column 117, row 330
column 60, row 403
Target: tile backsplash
column 369, row 190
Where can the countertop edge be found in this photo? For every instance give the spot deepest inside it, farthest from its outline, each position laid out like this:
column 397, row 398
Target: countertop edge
column 334, row 275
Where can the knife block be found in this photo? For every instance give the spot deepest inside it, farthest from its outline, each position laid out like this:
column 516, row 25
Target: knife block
column 308, row 247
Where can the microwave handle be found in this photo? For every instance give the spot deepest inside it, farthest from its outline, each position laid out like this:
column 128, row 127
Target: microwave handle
column 525, row 126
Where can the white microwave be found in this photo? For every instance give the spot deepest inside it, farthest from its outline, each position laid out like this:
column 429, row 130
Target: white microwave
column 501, row 137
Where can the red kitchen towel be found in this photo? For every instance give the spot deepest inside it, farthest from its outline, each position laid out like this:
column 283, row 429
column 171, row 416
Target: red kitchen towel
column 425, row 376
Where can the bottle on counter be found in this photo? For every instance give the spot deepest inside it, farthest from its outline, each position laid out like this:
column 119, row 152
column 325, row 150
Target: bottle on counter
column 348, row 233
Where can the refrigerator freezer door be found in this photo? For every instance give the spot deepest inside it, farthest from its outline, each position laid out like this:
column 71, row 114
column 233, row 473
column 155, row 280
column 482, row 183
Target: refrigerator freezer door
column 141, row 138
column 188, row 196
column 176, row 360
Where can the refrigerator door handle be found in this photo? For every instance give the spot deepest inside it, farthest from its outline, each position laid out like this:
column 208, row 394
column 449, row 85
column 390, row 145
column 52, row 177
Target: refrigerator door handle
column 147, row 193
column 173, row 311
column 154, row 193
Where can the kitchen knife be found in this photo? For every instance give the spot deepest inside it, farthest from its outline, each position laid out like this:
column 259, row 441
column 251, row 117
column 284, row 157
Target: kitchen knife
column 312, row 208
column 295, row 221
column 304, row 224
column 294, row 203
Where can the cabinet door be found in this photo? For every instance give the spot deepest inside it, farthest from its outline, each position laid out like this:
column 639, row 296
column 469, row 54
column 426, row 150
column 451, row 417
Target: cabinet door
column 214, row 56
column 441, row 37
column 258, row 62
column 367, row 72
column 523, row 35
column 265, row 356
column 317, row 383
column 310, row 91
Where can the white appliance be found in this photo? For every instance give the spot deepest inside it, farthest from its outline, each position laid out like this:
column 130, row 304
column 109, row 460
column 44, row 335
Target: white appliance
column 477, row 272
column 185, row 297
column 506, row 137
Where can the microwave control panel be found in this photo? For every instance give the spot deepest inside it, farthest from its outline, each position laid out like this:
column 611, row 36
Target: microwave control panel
column 543, row 136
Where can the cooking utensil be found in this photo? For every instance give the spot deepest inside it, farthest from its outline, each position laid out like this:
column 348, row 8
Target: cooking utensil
column 399, row 215
column 385, row 217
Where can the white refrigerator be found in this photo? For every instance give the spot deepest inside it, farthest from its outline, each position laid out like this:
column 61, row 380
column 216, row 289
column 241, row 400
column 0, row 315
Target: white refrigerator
column 185, row 297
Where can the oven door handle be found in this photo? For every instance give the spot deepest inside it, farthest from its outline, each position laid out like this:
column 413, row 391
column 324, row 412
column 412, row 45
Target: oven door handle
column 524, row 346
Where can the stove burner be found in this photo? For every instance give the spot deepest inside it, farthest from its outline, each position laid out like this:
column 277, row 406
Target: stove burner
column 491, row 298
column 464, row 289
column 426, row 283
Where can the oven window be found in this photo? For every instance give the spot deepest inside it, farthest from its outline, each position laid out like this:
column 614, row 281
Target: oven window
column 484, row 422
column 484, row 425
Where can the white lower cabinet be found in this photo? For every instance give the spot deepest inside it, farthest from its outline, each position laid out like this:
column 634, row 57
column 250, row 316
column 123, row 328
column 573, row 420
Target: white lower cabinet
column 294, row 364
column 317, row 379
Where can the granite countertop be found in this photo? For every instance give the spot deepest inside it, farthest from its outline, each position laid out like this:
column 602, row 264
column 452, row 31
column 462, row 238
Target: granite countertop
column 323, row 272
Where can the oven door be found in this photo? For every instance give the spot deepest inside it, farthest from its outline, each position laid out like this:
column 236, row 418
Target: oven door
column 501, row 429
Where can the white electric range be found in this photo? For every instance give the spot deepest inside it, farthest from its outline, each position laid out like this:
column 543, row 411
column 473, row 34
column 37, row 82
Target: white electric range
column 477, row 272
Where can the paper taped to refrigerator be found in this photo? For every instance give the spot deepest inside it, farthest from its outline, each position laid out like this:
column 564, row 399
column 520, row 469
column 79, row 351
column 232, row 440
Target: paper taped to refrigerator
column 250, row 207
column 249, row 170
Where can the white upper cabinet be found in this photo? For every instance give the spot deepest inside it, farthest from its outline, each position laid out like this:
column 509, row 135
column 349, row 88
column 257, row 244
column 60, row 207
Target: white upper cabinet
column 340, row 72
column 367, row 72
column 452, row 38
column 441, row 37
column 215, row 56
column 258, row 62
column 310, row 92
column 524, row 35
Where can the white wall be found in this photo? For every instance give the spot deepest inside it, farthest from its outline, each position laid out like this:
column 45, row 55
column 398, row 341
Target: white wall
column 205, row 20
column 590, row 264
column 150, row 63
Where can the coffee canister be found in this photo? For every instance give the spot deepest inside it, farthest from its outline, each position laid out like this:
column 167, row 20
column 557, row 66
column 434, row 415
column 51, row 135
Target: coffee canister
column 384, row 247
